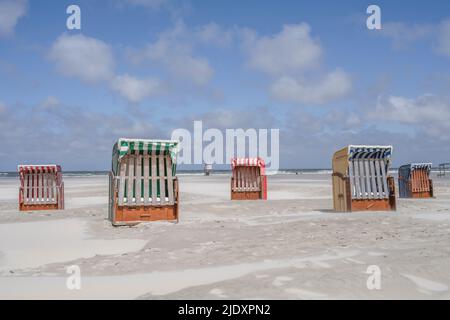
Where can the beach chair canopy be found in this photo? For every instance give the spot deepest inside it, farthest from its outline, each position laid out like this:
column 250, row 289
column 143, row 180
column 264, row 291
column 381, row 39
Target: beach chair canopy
column 249, row 162
column 367, row 168
column 141, row 146
column 145, row 171
column 406, row 170
column 369, row 152
column 46, row 168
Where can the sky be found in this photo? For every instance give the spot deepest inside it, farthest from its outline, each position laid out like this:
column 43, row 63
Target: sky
column 143, row 68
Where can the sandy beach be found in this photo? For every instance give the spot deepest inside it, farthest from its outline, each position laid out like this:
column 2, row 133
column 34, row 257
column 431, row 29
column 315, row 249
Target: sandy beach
column 292, row 246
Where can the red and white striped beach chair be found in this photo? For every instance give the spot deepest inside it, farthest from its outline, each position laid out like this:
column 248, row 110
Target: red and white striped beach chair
column 41, row 187
column 248, row 181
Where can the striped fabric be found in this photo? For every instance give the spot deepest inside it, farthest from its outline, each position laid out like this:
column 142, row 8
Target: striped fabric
column 141, row 146
column 369, row 152
column 249, row 162
column 47, row 168
column 368, row 171
column 406, row 170
column 422, row 166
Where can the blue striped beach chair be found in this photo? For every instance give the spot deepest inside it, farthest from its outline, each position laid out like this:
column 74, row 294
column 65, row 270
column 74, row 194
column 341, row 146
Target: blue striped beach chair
column 414, row 181
column 361, row 180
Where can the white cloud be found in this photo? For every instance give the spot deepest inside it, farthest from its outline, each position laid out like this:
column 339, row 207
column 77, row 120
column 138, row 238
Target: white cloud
column 212, row 33
column 291, row 51
column 75, row 128
column 333, row 86
column 292, row 59
column 92, row 61
column 192, row 68
column 174, row 48
column 135, row 90
column 85, row 58
column 50, row 103
column 152, row 4
column 403, row 34
column 443, row 46
column 10, row 13
column 428, row 112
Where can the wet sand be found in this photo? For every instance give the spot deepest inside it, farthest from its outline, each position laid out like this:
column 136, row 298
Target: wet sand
column 290, row 247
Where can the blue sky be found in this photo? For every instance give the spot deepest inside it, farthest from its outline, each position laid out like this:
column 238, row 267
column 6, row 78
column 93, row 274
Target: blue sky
column 141, row 68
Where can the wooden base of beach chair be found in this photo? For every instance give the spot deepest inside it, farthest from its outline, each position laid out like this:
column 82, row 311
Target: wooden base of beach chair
column 352, row 205
column 131, row 215
column 377, row 204
column 424, row 194
column 38, row 207
column 135, row 214
column 421, row 195
column 251, row 195
column 372, row 205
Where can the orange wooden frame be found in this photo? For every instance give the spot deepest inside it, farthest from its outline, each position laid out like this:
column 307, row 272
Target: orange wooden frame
column 388, row 204
column 130, row 215
column 250, row 195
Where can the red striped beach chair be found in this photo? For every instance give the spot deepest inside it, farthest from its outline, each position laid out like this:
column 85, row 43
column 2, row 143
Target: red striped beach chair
column 248, row 181
column 361, row 180
column 414, row 181
column 41, row 187
column 143, row 182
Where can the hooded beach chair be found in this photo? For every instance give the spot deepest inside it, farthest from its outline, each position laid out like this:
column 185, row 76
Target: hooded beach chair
column 143, row 182
column 414, row 181
column 41, row 187
column 361, row 180
column 248, row 181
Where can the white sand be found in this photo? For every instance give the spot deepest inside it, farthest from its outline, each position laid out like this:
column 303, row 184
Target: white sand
column 289, row 247
column 32, row 244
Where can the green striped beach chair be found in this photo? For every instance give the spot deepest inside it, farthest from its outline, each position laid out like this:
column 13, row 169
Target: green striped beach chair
column 142, row 184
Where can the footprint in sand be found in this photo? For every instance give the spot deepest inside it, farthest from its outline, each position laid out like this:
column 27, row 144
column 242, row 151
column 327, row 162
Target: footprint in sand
column 305, row 294
column 218, row 293
column 279, row 281
column 426, row 286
